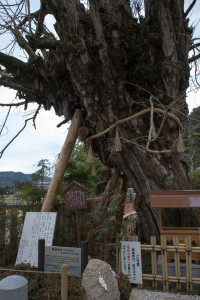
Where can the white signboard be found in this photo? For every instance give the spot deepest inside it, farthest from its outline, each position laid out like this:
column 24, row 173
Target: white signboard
column 37, row 225
column 56, row 256
column 131, row 261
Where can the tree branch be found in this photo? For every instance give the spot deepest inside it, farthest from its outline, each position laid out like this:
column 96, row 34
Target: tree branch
column 42, row 43
column 13, row 104
column 22, row 42
column 53, row 7
column 12, row 63
column 15, row 86
column 25, row 123
column 190, row 8
column 5, row 121
column 194, row 46
column 194, row 58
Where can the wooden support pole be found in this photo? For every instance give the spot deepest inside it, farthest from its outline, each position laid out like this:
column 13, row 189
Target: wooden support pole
column 65, row 154
column 64, row 282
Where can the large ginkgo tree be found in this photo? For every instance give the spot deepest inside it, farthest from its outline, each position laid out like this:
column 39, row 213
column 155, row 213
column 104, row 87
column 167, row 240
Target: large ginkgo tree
column 124, row 66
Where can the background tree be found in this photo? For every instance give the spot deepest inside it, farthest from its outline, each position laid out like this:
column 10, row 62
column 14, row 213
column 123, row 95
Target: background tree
column 192, row 140
column 125, row 72
column 44, row 170
column 79, row 170
column 195, row 179
column 33, row 192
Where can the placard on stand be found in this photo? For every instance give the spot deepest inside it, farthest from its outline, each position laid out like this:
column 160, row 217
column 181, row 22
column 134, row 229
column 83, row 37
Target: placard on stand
column 75, row 199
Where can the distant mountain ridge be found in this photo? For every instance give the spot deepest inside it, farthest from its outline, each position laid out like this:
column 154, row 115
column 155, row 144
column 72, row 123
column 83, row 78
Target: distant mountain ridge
column 8, row 178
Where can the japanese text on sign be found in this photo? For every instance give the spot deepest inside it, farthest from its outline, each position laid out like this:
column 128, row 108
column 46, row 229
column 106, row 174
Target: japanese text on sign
column 131, row 261
column 56, row 256
column 37, row 225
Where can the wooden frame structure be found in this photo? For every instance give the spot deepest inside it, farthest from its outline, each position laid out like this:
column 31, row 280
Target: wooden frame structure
column 177, row 199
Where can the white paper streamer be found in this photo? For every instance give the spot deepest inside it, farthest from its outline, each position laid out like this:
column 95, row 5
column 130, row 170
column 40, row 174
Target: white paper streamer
column 102, row 282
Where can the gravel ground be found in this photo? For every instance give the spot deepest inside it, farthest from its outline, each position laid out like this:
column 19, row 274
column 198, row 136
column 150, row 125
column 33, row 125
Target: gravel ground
column 155, row 295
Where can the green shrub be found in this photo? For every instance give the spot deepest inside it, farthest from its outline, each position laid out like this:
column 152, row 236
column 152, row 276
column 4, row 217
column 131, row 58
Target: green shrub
column 195, row 179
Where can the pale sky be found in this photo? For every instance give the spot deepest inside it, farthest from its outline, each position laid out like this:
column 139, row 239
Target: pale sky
column 46, row 141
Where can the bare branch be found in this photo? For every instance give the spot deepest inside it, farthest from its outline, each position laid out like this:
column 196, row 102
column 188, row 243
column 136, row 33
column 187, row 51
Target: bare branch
column 25, row 123
column 22, row 42
column 16, row 86
column 194, row 46
column 190, row 8
column 6, row 118
column 13, row 104
column 194, row 58
column 43, row 43
column 12, row 63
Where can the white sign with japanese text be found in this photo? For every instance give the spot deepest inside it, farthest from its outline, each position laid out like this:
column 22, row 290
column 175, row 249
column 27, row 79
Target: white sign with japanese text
column 131, row 261
column 56, row 256
column 37, row 225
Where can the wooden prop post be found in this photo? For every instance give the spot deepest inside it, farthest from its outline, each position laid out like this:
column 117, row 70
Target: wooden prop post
column 78, row 232
column 65, row 154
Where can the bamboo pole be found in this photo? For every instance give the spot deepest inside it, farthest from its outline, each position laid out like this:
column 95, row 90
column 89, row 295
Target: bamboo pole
column 188, row 264
column 177, row 262
column 164, row 263
column 65, row 154
column 64, row 282
column 153, row 261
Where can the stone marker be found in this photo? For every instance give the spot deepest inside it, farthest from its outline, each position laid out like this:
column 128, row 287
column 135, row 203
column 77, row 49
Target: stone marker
column 14, row 287
column 99, row 281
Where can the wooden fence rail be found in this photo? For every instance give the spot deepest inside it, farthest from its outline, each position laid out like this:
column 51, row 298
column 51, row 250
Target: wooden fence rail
column 160, row 269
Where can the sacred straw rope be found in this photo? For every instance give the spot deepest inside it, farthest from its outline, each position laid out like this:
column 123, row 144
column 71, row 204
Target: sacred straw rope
column 142, row 112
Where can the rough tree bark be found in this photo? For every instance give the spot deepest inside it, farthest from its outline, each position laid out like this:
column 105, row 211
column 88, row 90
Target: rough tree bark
column 112, row 65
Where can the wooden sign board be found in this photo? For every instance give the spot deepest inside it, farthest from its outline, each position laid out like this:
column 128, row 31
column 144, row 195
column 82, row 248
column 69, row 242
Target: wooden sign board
column 75, row 196
column 37, row 225
column 131, row 261
column 56, row 256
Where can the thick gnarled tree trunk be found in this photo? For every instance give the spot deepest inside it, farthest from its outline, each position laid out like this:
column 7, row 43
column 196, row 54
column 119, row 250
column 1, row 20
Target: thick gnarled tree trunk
column 111, row 66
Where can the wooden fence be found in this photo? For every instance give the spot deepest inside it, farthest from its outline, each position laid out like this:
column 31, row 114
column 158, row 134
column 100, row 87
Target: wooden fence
column 183, row 269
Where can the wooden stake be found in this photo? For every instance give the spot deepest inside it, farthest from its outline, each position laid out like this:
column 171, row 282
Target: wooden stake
column 65, row 154
column 78, row 232
column 64, row 282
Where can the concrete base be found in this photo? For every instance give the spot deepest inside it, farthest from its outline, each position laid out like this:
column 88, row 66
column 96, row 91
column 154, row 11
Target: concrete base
column 14, row 287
